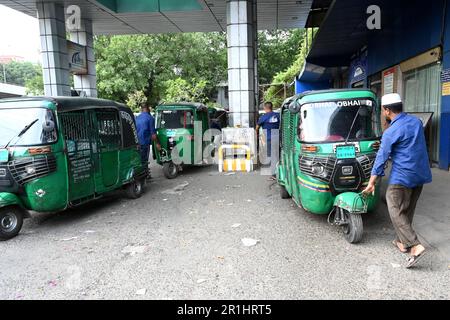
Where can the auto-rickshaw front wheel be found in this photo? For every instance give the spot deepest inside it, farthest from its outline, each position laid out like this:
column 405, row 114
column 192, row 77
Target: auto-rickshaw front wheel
column 170, row 170
column 353, row 229
column 11, row 221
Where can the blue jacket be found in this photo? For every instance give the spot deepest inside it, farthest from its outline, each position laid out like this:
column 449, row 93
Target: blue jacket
column 145, row 124
column 404, row 142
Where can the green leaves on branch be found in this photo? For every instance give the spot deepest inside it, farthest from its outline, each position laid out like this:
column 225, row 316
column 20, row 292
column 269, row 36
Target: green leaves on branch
column 153, row 63
column 180, row 90
column 18, row 73
column 287, row 76
column 136, row 100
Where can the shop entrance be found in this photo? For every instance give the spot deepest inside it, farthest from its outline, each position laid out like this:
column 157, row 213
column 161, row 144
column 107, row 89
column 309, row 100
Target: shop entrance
column 422, row 93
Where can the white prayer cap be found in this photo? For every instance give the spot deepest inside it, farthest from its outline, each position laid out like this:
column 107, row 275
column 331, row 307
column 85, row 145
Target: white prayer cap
column 390, row 99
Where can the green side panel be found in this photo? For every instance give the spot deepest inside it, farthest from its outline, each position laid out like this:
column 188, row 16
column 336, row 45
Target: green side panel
column 130, row 165
column 49, row 193
column 9, row 199
column 127, row 6
column 109, row 165
column 315, row 196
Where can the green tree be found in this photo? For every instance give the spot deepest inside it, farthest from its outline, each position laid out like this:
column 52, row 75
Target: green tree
column 146, row 62
column 180, row 90
column 277, row 51
column 136, row 100
column 18, row 73
column 276, row 92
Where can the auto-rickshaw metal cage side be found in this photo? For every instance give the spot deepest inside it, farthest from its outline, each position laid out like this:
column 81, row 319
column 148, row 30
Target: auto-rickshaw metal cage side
column 75, row 132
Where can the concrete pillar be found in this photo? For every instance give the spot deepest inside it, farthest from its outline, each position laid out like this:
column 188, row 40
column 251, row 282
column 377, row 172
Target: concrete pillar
column 86, row 83
column 55, row 63
column 242, row 76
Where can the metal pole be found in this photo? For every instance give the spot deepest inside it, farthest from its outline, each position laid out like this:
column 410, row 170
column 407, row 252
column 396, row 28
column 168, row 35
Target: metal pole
column 4, row 73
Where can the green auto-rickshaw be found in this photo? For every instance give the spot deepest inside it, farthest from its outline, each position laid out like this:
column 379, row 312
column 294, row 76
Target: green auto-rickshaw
column 182, row 133
column 329, row 141
column 57, row 153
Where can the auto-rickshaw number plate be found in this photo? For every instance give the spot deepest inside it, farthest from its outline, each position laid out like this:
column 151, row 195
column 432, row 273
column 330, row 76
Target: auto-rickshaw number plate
column 4, row 155
column 346, row 152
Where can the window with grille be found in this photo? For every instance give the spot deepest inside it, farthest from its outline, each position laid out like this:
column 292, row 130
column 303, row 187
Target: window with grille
column 109, row 130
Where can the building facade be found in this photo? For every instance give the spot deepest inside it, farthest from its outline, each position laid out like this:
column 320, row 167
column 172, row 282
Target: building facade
column 408, row 52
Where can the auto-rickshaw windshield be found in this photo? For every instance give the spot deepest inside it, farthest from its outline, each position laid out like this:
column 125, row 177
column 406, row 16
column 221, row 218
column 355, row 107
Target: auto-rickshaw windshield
column 13, row 121
column 175, row 119
column 330, row 122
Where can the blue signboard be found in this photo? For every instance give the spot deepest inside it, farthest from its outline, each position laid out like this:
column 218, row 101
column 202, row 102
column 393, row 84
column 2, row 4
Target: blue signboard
column 358, row 69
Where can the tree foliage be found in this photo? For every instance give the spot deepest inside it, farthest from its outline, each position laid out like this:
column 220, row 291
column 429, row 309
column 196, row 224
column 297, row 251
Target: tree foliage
column 136, row 100
column 287, row 76
column 126, row 64
column 18, row 73
column 181, row 90
column 277, row 51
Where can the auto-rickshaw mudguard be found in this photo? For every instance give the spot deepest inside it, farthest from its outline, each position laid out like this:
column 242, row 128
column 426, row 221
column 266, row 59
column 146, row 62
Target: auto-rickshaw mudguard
column 281, row 175
column 10, row 199
column 352, row 202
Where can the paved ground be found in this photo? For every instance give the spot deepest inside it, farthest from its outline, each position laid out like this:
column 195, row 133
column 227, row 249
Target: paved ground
column 188, row 246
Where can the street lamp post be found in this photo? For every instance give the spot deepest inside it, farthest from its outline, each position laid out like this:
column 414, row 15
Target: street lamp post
column 4, row 73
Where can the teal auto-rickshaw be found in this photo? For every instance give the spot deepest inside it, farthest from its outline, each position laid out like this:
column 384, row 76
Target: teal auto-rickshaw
column 329, row 143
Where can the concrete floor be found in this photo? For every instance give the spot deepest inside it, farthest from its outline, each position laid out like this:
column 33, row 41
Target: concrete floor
column 187, row 244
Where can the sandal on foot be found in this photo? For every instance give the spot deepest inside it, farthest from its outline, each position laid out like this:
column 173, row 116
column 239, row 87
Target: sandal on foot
column 413, row 260
column 396, row 243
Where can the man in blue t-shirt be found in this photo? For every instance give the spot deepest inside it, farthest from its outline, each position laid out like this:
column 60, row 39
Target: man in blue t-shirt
column 270, row 122
column 146, row 130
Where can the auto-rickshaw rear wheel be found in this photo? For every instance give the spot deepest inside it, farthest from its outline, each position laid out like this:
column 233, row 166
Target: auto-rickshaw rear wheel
column 170, row 170
column 354, row 229
column 135, row 189
column 11, row 221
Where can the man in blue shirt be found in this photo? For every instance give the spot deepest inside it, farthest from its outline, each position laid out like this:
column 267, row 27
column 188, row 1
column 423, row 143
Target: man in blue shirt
column 145, row 124
column 270, row 122
column 404, row 143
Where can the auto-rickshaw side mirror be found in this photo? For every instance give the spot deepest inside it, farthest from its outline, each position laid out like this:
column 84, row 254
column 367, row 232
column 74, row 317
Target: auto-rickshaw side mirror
column 48, row 126
column 294, row 107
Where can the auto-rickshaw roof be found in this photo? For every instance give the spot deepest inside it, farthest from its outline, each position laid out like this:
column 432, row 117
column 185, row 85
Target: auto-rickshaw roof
column 193, row 105
column 65, row 104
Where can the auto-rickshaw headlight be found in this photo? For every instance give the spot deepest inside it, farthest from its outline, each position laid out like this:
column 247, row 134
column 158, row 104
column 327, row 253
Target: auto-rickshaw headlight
column 30, row 170
column 318, row 170
column 294, row 107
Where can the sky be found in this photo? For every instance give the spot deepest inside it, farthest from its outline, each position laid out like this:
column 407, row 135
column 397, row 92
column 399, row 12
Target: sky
column 19, row 35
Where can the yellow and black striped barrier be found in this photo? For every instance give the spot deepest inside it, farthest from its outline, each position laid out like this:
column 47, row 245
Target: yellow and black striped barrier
column 235, row 164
